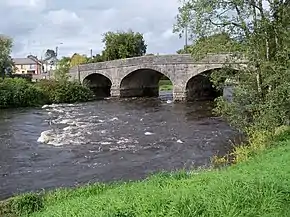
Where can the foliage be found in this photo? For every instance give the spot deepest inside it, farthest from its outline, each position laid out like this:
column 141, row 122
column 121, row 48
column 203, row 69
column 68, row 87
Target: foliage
column 50, row 54
column 65, row 91
column 121, row 45
column 77, row 59
column 6, row 63
column 64, row 62
column 259, row 187
column 95, row 59
column 27, row 204
column 165, row 85
column 19, row 92
column 261, row 30
column 217, row 43
column 62, row 71
column 185, row 50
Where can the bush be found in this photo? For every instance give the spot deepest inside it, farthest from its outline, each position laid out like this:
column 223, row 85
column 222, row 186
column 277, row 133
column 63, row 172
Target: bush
column 19, row 92
column 65, row 91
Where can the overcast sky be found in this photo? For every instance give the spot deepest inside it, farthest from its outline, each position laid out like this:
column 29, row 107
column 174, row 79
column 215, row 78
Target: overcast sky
column 36, row 25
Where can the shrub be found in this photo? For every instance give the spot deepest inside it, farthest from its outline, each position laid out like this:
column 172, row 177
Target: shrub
column 65, row 91
column 19, row 92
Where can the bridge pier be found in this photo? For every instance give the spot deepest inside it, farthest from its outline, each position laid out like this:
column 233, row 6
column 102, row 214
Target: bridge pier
column 115, row 92
column 179, row 94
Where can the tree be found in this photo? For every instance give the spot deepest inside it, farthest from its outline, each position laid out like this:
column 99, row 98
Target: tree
column 121, row 45
column 50, row 58
column 216, row 43
column 62, row 72
column 262, row 28
column 77, row 59
column 6, row 63
column 95, row 59
column 49, row 54
column 185, row 50
column 64, row 62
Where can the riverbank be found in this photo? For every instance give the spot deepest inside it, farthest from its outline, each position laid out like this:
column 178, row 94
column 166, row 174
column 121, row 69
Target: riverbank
column 19, row 92
column 256, row 187
column 165, row 85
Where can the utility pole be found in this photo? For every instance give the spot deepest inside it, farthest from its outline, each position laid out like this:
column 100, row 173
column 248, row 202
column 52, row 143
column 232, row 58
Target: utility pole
column 185, row 44
column 56, row 51
column 91, row 53
column 56, row 54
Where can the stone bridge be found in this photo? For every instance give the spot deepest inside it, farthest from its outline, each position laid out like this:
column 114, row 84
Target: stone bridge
column 139, row 76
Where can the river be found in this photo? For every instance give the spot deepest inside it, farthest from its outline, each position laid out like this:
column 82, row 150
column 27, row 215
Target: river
column 108, row 140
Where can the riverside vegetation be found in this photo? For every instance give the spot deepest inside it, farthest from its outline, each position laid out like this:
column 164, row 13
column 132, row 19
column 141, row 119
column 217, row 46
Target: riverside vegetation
column 257, row 181
column 18, row 92
column 165, row 85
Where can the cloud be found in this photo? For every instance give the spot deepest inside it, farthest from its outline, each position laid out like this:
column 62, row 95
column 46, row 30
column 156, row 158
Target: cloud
column 77, row 26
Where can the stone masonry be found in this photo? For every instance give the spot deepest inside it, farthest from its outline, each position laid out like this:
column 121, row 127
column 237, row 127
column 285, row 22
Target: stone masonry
column 179, row 68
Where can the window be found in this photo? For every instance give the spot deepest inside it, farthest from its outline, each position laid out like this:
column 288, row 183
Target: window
column 22, row 66
column 32, row 66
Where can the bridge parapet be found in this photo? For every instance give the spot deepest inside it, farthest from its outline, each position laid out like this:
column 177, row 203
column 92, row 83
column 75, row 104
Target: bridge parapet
column 157, row 60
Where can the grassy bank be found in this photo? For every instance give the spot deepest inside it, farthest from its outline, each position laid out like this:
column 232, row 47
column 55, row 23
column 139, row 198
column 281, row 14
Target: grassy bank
column 165, row 85
column 256, row 187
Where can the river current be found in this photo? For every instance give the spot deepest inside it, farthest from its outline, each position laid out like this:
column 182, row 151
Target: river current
column 107, row 140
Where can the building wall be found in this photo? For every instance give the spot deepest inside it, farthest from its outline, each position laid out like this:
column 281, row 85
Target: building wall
column 28, row 69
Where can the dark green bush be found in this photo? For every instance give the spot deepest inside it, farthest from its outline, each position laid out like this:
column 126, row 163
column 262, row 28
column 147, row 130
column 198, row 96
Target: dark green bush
column 65, row 91
column 19, row 92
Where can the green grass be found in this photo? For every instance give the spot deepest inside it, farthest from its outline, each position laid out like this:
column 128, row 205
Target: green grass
column 257, row 187
column 165, row 85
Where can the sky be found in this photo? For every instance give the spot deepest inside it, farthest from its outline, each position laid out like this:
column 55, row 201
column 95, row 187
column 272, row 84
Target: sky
column 76, row 26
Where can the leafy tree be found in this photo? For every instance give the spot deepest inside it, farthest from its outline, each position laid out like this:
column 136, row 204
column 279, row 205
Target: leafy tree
column 262, row 93
column 96, row 59
column 6, row 63
column 185, row 50
column 61, row 73
column 77, row 59
column 49, row 54
column 64, row 62
column 50, row 57
column 216, row 43
column 121, row 45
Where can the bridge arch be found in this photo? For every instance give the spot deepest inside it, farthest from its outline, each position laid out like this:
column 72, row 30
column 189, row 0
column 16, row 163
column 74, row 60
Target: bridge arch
column 99, row 84
column 199, row 87
column 142, row 82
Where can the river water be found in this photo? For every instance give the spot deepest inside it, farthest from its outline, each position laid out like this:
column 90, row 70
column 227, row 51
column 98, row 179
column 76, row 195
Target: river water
column 108, row 140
